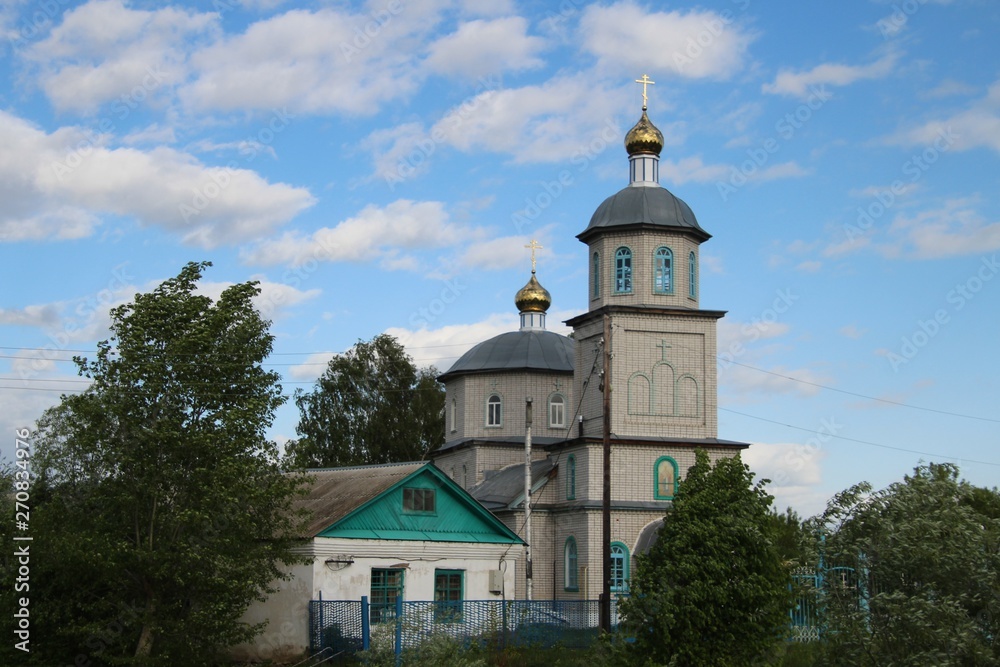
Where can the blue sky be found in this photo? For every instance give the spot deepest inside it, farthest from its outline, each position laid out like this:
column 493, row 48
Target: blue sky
column 379, row 167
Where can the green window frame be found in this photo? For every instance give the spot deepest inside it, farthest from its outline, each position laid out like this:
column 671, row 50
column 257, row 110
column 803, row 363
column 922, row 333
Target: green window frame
column 665, row 481
column 692, row 275
column 571, row 477
column 623, row 270
column 663, row 271
column 419, row 501
column 619, row 567
column 571, row 566
column 449, row 591
column 386, row 587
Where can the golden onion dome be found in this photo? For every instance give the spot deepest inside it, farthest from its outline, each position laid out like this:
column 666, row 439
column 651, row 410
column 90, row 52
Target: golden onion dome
column 644, row 137
column 533, row 298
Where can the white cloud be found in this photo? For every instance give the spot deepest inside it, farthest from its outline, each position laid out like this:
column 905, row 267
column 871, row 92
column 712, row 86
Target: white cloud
column 564, row 118
column 795, row 471
column 104, row 51
column 482, row 47
column 696, row 44
column 803, row 84
column 852, row 331
column 501, row 253
column 44, row 315
column 273, row 296
column 956, row 228
column 692, row 170
column 321, row 61
column 975, row 127
column 313, row 367
column 371, row 234
column 55, row 185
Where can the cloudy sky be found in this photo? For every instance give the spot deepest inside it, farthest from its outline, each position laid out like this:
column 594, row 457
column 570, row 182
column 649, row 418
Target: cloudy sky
column 379, row 167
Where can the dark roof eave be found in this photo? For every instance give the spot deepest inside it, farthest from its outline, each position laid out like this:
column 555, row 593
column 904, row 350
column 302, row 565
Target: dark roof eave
column 643, row 310
column 696, row 233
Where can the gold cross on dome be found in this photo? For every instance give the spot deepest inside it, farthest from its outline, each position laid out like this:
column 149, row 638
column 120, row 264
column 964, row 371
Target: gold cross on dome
column 645, row 80
column 534, row 245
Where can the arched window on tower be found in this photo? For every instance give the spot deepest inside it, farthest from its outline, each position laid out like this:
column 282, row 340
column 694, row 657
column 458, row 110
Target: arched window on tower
column 619, row 567
column 623, row 271
column 664, row 478
column 494, row 411
column 596, row 275
column 692, row 276
column 663, row 271
column 571, row 573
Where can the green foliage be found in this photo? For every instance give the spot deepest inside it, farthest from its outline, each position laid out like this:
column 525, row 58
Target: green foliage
column 926, row 559
column 791, row 538
column 713, row 589
column 159, row 511
column 371, row 405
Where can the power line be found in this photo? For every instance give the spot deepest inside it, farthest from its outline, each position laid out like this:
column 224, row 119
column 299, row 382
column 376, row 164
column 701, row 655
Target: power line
column 862, row 442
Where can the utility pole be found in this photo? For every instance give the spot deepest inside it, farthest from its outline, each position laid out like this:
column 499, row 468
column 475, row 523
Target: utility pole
column 605, row 612
column 527, row 493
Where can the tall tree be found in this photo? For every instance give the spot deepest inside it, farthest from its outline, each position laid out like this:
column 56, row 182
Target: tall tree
column 159, row 502
column 712, row 590
column 921, row 584
column 371, row 405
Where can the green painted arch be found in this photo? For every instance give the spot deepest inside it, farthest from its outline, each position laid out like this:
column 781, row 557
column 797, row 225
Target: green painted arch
column 669, row 493
column 619, row 551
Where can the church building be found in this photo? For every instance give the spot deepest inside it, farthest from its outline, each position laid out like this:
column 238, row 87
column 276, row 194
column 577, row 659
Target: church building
column 643, row 245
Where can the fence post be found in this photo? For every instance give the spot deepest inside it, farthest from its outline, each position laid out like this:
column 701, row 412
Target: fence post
column 399, row 630
column 503, row 615
column 366, row 628
column 321, row 626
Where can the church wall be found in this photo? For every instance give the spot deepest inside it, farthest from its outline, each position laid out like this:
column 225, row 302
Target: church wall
column 664, row 376
column 587, row 384
column 512, row 389
column 456, row 427
column 643, row 244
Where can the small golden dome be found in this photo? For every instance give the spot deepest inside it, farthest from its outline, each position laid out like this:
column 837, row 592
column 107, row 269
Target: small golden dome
column 533, row 298
column 644, row 137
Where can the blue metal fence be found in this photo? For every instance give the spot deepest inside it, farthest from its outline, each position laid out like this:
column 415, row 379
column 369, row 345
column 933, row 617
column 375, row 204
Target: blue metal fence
column 346, row 625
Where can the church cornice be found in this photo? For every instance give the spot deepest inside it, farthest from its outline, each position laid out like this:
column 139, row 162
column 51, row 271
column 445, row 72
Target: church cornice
column 611, row 309
column 587, row 235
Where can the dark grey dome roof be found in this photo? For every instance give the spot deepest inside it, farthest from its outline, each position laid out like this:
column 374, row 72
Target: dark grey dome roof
column 514, row 351
column 651, row 206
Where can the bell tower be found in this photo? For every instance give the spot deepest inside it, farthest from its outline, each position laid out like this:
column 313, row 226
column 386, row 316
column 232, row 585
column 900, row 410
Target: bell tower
column 643, row 246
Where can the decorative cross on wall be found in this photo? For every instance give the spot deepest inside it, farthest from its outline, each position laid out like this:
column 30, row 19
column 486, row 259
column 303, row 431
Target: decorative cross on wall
column 663, row 348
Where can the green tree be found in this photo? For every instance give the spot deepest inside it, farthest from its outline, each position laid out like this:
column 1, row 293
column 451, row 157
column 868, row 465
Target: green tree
column 922, row 584
column 712, row 590
column 791, row 538
column 159, row 510
column 371, row 405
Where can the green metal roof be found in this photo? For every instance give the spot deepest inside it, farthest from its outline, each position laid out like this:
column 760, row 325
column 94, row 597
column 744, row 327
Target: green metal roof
column 457, row 516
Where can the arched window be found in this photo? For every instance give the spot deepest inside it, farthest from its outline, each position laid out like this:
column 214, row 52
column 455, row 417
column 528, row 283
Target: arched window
column 597, row 275
column 692, row 275
column 453, row 415
column 623, row 271
column 619, row 567
column 664, row 478
column 663, row 271
column 571, row 477
column 571, row 574
column 494, row 411
column 557, row 411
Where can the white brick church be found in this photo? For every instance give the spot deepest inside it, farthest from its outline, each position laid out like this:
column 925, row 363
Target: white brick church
column 643, row 246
